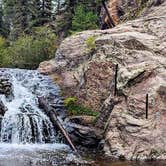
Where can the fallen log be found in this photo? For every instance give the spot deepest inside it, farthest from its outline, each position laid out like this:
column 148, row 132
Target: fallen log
column 55, row 121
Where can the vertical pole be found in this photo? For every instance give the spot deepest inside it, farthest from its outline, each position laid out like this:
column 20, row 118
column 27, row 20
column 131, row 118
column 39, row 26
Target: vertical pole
column 116, row 76
column 147, row 105
column 108, row 14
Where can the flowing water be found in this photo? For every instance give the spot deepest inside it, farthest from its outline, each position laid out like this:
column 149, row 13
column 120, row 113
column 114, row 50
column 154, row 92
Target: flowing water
column 27, row 136
column 24, row 122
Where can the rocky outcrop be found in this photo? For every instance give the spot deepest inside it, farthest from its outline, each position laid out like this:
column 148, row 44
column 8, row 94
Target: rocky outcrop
column 86, row 72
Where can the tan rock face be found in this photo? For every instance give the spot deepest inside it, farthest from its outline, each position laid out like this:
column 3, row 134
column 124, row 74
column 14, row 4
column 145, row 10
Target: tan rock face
column 139, row 48
column 123, row 10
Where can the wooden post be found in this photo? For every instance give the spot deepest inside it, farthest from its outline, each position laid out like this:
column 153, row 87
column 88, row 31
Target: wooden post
column 147, row 105
column 108, row 14
column 116, row 76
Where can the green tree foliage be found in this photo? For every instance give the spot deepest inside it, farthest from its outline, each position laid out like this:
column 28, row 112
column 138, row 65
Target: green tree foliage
column 3, row 46
column 2, row 26
column 46, row 11
column 31, row 29
column 34, row 13
column 8, row 11
column 83, row 19
column 20, row 18
column 28, row 51
column 22, row 15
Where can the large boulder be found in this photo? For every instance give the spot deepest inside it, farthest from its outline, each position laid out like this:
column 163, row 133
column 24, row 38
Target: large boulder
column 84, row 67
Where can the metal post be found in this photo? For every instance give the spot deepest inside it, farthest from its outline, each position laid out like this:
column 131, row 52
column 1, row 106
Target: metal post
column 116, row 76
column 147, row 105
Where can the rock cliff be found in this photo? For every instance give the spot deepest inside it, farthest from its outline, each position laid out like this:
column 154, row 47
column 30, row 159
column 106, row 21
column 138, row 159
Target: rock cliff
column 84, row 67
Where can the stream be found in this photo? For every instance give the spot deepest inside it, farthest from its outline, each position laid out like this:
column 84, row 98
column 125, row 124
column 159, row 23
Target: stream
column 27, row 136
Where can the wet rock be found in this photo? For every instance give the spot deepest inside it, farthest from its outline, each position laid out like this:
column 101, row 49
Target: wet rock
column 85, row 136
column 6, row 88
column 3, row 109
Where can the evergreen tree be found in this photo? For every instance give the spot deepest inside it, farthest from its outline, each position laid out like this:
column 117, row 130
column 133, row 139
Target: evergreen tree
column 8, row 11
column 2, row 28
column 34, row 13
column 46, row 11
column 83, row 19
column 41, row 12
column 20, row 18
column 66, row 12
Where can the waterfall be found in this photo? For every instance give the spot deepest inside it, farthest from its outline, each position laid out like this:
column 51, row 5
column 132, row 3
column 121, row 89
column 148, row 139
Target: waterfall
column 23, row 121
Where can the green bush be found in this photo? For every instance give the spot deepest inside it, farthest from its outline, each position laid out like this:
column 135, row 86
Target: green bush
column 3, row 45
column 83, row 19
column 74, row 108
column 29, row 50
column 90, row 42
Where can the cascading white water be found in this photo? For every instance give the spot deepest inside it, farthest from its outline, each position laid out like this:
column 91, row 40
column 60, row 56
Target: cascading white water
column 27, row 136
column 24, row 122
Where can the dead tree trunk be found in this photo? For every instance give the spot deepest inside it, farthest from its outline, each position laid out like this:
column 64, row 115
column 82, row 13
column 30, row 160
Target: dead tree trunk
column 110, row 21
column 55, row 121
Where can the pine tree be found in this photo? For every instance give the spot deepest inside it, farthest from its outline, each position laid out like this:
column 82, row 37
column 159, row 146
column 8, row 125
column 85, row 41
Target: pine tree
column 34, row 13
column 83, row 19
column 2, row 28
column 41, row 12
column 20, row 18
column 8, row 11
column 46, row 11
column 66, row 13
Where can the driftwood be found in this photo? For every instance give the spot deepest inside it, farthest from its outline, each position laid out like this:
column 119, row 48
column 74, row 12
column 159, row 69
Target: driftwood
column 55, row 121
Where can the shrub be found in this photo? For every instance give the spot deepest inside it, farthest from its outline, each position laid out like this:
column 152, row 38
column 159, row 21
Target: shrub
column 74, row 108
column 29, row 50
column 90, row 42
column 3, row 44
